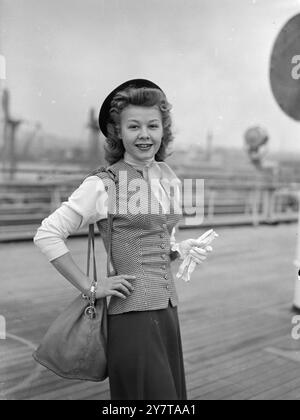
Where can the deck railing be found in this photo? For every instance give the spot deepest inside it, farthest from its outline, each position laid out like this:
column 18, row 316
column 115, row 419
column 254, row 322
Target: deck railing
column 24, row 205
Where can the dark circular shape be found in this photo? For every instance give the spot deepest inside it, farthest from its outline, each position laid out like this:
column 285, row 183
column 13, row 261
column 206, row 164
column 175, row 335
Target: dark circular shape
column 285, row 68
column 256, row 137
column 104, row 110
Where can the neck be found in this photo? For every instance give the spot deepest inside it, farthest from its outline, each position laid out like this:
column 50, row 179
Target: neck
column 136, row 162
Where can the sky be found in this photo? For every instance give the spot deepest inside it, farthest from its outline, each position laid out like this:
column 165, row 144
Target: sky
column 211, row 58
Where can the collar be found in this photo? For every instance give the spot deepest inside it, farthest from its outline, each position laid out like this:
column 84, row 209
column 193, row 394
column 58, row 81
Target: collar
column 156, row 170
column 137, row 164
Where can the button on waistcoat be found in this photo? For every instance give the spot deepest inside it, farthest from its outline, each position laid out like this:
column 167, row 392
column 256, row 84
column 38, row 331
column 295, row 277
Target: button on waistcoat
column 140, row 246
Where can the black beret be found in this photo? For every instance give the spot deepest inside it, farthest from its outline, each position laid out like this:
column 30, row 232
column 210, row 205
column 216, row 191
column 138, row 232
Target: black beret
column 104, row 110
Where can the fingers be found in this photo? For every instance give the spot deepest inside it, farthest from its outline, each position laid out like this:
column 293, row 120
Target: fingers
column 120, row 290
column 198, row 256
column 121, row 287
column 197, row 260
column 198, row 251
column 122, row 279
column 193, row 242
column 116, row 293
column 125, row 283
column 203, row 250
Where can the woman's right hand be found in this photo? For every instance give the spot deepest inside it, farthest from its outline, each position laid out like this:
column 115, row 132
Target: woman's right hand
column 115, row 286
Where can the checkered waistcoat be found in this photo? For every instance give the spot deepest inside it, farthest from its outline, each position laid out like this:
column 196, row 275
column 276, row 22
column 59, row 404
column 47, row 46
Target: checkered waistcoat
column 140, row 246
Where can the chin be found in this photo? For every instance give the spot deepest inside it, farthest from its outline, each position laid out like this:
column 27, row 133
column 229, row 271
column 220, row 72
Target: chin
column 142, row 156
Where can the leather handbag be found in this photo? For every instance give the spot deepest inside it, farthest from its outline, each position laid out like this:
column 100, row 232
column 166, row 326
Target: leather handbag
column 74, row 346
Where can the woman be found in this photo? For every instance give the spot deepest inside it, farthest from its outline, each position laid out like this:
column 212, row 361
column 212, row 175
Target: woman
column 145, row 358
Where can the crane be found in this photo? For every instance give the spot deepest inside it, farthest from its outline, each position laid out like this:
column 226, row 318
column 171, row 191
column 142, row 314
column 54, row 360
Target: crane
column 9, row 135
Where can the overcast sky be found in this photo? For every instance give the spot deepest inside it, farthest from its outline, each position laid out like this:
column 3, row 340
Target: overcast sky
column 211, row 57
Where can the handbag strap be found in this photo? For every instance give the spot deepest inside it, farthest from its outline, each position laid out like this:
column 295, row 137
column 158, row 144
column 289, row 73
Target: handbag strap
column 91, row 242
column 109, row 251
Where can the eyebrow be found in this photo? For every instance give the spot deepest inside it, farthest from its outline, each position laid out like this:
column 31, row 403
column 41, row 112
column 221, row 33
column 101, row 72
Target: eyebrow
column 132, row 119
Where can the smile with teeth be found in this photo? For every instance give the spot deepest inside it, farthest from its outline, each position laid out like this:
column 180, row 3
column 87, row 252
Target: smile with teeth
column 144, row 146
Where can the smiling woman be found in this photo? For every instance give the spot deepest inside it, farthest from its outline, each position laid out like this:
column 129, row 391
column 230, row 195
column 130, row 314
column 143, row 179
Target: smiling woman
column 141, row 130
column 136, row 121
column 133, row 114
column 144, row 351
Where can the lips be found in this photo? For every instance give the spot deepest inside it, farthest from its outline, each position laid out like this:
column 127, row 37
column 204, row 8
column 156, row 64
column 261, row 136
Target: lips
column 144, row 146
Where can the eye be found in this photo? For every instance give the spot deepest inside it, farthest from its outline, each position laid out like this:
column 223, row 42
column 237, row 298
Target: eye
column 154, row 125
column 132, row 126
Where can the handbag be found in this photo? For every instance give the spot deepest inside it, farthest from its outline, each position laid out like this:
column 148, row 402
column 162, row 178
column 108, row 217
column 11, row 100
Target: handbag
column 74, row 346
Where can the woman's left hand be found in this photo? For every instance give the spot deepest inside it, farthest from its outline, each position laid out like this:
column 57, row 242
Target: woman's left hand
column 199, row 254
column 191, row 247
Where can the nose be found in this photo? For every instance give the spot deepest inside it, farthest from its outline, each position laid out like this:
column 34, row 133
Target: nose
column 144, row 133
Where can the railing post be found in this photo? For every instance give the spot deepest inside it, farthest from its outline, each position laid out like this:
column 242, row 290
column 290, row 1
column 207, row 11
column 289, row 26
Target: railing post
column 55, row 198
column 268, row 203
column 255, row 202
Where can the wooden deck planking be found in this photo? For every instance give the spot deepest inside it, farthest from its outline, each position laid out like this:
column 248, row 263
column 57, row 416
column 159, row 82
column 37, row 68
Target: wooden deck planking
column 291, row 395
column 282, row 391
column 276, row 379
column 237, row 305
column 225, row 373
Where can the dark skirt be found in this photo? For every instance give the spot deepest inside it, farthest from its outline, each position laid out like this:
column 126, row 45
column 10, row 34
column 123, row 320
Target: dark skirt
column 145, row 360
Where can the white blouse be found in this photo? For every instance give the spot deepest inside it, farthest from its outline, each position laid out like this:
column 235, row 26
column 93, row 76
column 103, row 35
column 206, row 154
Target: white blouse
column 87, row 204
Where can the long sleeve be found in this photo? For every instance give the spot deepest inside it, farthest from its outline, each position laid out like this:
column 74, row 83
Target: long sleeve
column 172, row 238
column 87, row 204
column 174, row 254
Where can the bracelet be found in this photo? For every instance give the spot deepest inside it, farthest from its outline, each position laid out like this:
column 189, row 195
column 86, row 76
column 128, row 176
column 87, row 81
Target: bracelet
column 93, row 289
column 90, row 311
